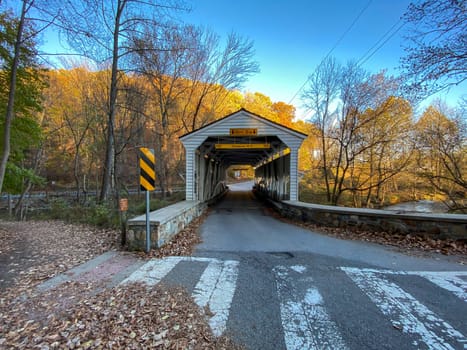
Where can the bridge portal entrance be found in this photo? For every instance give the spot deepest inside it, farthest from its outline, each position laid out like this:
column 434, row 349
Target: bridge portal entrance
column 239, row 139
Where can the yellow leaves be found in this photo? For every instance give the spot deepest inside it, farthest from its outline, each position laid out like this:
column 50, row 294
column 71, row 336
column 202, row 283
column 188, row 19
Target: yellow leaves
column 434, row 120
column 262, row 105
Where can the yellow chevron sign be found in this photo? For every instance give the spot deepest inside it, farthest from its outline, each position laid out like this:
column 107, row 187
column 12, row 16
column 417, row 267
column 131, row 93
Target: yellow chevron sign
column 147, row 176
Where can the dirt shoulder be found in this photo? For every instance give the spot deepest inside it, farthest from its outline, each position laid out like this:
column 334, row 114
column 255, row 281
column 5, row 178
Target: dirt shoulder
column 85, row 312
column 33, row 251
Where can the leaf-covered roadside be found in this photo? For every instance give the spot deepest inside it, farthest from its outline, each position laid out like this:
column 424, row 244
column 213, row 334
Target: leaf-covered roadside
column 86, row 314
column 183, row 244
column 34, row 251
column 406, row 243
column 132, row 316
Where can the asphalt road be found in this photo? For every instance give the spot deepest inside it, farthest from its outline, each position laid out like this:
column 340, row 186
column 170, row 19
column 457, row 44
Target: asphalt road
column 271, row 285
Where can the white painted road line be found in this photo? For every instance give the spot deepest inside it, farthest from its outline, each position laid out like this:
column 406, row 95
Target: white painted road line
column 453, row 281
column 155, row 270
column 305, row 321
column 152, row 272
column 406, row 312
column 215, row 290
column 450, row 281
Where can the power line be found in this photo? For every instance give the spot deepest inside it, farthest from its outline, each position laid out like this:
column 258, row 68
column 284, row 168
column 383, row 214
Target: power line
column 332, row 49
column 380, row 43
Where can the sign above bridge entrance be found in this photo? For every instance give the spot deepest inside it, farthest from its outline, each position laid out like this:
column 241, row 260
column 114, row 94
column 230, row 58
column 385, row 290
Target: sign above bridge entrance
column 242, row 145
column 243, row 132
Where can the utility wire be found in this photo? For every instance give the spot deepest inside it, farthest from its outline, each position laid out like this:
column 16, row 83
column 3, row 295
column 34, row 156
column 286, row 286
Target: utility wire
column 332, row 49
column 380, row 43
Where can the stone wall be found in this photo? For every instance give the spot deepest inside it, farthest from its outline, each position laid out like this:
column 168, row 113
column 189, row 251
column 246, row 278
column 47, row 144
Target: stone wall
column 164, row 224
column 441, row 226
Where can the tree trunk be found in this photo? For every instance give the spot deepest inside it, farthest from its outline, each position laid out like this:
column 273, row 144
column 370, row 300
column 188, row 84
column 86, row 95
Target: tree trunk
column 110, row 149
column 325, row 165
column 11, row 98
column 21, row 206
column 76, row 174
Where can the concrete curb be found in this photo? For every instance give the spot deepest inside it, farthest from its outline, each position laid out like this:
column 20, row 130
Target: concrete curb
column 95, row 268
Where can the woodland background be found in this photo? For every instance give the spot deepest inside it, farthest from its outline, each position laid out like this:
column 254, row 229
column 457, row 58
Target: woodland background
column 144, row 78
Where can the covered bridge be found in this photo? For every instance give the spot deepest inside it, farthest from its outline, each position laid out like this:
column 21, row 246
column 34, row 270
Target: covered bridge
column 242, row 138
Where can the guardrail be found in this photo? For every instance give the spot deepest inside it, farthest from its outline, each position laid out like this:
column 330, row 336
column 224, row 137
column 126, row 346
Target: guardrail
column 442, row 226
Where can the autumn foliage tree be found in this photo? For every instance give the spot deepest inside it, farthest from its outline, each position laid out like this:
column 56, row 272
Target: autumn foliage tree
column 146, row 82
column 72, row 105
column 441, row 135
column 101, row 30
column 352, row 112
column 278, row 112
column 189, row 75
column 385, row 150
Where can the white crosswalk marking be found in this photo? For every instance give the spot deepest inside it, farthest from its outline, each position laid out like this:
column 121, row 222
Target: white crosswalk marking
column 215, row 290
column 304, row 318
column 305, row 321
column 453, row 281
column 153, row 271
column 405, row 311
column 450, row 281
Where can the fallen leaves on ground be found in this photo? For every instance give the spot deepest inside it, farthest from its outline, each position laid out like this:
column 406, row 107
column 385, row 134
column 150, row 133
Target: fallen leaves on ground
column 33, row 251
column 405, row 242
column 87, row 315
column 409, row 243
column 133, row 316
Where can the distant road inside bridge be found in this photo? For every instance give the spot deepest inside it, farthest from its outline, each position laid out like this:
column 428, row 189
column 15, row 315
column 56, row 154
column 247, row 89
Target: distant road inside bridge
column 242, row 223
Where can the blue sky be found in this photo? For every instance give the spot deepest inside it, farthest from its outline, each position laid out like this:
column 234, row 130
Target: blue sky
column 292, row 37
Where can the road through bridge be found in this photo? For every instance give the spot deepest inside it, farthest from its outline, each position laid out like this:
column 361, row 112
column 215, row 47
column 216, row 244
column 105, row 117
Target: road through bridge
column 272, row 285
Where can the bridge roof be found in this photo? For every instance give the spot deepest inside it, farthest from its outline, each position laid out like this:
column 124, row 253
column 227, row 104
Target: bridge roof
column 240, row 114
column 266, row 132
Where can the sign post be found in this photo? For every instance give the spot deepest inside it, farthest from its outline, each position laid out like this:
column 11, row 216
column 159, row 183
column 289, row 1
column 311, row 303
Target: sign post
column 123, row 207
column 148, row 223
column 147, row 181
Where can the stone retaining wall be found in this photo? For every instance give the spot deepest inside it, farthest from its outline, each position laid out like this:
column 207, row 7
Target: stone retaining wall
column 164, row 224
column 442, row 226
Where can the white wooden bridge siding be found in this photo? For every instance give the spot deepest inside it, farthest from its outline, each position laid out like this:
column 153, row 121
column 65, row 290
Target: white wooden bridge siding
column 198, row 187
column 276, row 176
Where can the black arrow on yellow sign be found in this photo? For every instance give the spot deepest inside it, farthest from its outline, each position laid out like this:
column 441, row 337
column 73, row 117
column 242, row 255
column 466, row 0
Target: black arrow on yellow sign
column 147, row 176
